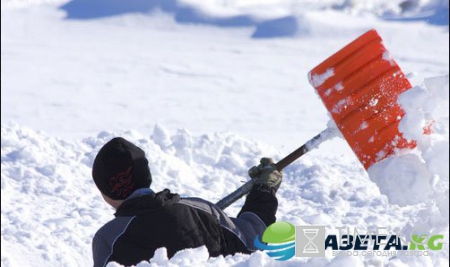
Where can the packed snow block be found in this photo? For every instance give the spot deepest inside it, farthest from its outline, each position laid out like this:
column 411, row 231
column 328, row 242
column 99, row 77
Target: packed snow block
column 404, row 179
column 282, row 27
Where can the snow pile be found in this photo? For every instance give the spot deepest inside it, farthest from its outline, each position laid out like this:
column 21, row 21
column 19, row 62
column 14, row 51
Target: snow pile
column 50, row 201
column 282, row 18
column 191, row 64
column 427, row 107
column 404, row 179
column 51, row 208
column 421, row 175
column 200, row 257
column 267, row 8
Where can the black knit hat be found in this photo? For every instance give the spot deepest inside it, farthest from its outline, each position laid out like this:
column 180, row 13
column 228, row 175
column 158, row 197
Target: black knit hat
column 120, row 168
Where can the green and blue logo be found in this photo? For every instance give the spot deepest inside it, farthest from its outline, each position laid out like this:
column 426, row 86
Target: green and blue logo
column 280, row 241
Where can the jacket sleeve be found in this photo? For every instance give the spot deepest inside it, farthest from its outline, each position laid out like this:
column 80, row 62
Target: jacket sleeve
column 239, row 233
column 262, row 204
column 104, row 239
column 100, row 251
column 257, row 213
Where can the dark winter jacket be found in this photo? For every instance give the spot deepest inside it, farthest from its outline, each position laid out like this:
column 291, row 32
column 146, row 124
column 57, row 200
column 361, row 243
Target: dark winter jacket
column 147, row 222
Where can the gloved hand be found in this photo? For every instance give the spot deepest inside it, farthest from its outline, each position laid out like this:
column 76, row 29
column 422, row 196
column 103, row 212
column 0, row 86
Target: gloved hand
column 267, row 177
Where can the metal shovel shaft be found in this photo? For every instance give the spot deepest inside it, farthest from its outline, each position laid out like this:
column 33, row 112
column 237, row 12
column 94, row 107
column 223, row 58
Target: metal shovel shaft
column 311, row 144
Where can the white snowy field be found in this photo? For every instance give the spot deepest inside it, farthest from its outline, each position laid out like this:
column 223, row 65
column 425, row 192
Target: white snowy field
column 206, row 88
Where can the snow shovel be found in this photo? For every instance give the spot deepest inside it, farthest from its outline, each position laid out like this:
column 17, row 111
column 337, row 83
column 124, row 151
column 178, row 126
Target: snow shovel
column 359, row 86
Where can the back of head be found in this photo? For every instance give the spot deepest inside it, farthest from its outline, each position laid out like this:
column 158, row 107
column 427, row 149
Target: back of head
column 120, row 168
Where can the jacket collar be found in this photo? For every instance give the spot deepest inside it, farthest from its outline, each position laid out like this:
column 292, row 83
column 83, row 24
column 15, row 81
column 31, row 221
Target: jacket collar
column 144, row 202
column 140, row 192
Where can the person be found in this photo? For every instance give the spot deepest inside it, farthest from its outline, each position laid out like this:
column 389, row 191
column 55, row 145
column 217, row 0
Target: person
column 145, row 221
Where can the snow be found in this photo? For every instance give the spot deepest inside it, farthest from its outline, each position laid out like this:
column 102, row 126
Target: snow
column 428, row 168
column 341, row 105
column 404, row 179
column 319, row 79
column 207, row 88
column 424, row 171
column 388, row 57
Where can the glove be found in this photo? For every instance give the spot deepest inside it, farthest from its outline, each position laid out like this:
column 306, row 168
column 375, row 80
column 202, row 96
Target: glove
column 266, row 176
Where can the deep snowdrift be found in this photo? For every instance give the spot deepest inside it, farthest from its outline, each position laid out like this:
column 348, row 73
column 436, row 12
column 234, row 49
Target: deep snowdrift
column 73, row 78
column 49, row 200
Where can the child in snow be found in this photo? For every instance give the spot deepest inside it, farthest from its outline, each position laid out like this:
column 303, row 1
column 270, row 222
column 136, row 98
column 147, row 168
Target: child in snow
column 145, row 220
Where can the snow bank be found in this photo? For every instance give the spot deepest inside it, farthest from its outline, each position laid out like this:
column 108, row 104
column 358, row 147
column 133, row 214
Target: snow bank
column 51, row 208
column 421, row 175
column 248, row 12
column 270, row 18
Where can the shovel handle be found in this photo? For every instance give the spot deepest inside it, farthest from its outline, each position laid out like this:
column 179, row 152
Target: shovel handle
column 280, row 165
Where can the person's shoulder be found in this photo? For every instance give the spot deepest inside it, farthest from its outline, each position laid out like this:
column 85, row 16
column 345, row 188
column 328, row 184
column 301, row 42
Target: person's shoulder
column 202, row 205
column 197, row 202
column 114, row 228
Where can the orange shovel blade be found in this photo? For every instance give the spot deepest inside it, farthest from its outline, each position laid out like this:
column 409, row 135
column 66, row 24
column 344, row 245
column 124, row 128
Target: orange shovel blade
column 359, row 86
